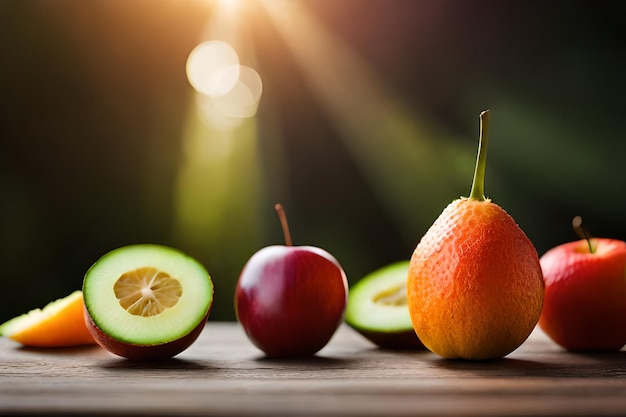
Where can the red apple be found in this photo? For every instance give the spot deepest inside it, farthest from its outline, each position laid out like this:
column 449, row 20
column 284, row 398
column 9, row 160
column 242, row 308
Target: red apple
column 585, row 299
column 290, row 300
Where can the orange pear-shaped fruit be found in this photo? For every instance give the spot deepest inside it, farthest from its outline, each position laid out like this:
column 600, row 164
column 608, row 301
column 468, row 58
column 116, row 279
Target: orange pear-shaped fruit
column 475, row 287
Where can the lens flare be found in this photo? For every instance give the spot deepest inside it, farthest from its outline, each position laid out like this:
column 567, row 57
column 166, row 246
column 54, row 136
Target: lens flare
column 243, row 99
column 213, row 68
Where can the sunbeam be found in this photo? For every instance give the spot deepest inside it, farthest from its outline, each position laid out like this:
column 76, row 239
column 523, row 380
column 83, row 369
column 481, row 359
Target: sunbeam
column 223, row 183
column 219, row 180
column 399, row 153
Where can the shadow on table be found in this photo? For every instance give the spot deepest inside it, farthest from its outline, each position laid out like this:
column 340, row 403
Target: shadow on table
column 87, row 350
column 156, row 365
column 317, row 362
column 569, row 365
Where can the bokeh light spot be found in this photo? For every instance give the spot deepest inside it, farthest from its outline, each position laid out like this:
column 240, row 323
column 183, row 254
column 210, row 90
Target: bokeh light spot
column 213, row 68
column 243, row 99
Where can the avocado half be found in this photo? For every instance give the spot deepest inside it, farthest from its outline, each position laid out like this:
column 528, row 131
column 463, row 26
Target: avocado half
column 146, row 301
column 377, row 308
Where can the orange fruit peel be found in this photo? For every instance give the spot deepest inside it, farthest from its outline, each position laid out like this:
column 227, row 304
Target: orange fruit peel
column 59, row 324
column 475, row 289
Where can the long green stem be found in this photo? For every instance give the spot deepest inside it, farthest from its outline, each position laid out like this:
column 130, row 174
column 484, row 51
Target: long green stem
column 478, row 184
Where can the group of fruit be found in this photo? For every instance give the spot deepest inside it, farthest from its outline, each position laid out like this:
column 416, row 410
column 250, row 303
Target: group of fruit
column 141, row 302
column 474, row 288
column 146, row 302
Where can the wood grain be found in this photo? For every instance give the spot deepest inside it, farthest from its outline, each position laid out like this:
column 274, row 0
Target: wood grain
column 222, row 374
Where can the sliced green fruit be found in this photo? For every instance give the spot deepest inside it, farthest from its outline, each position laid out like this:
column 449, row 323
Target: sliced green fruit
column 141, row 297
column 377, row 308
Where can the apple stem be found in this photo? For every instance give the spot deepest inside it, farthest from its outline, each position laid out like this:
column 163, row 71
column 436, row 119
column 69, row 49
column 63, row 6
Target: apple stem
column 283, row 222
column 577, row 224
column 478, row 184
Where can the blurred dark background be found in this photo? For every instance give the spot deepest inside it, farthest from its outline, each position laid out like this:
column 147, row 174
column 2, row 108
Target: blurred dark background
column 95, row 125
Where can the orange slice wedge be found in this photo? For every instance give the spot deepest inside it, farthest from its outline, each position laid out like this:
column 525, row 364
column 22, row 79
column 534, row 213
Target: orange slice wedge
column 59, row 324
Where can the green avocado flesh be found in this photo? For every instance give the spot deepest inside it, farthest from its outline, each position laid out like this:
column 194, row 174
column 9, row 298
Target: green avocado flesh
column 377, row 308
column 147, row 294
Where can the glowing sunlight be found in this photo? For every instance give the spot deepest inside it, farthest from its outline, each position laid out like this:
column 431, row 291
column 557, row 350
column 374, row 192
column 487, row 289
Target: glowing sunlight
column 398, row 151
column 394, row 148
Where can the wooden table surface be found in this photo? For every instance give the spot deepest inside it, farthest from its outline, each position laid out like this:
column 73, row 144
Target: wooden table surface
column 223, row 374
